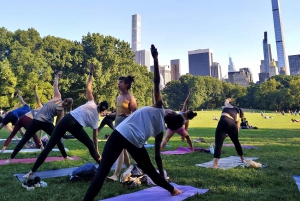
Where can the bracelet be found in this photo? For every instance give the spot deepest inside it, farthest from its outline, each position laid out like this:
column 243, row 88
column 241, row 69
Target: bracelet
column 90, row 73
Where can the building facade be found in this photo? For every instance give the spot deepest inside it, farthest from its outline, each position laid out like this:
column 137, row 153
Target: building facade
column 136, row 32
column 243, row 77
column 273, row 69
column 231, row 67
column 267, row 52
column 200, row 62
column 175, row 69
column 294, row 61
column 142, row 57
column 283, row 66
column 216, row 70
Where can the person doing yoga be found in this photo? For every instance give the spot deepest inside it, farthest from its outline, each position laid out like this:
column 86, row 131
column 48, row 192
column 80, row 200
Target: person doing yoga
column 13, row 116
column 24, row 121
column 131, row 135
column 44, row 118
column 229, row 123
column 86, row 115
column 187, row 115
column 125, row 105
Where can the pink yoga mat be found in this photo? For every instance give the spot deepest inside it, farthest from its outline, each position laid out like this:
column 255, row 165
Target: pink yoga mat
column 243, row 146
column 159, row 194
column 32, row 160
column 183, row 150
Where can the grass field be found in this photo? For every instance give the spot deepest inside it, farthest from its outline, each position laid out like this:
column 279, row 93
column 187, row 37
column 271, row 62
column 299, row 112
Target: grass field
column 279, row 146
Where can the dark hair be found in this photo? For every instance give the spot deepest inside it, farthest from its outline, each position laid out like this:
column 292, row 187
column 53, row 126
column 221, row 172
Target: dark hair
column 128, row 80
column 174, row 121
column 190, row 114
column 240, row 111
column 102, row 106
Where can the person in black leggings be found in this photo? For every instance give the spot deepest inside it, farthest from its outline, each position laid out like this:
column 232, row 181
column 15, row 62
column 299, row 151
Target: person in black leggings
column 43, row 120
column 131, row 134
column 229, row 123
column 86, row 115
column 107, row 120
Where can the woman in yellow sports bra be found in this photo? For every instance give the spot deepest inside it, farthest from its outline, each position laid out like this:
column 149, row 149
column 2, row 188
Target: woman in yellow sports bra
column 125, row 105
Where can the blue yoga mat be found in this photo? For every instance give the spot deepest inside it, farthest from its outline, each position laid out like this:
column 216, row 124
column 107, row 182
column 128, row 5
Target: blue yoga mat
column 159, row 194
column 297, row 180
column 55, row 173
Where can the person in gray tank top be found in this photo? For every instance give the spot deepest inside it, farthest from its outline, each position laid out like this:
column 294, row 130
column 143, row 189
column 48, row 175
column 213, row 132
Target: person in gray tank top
column 43, row 120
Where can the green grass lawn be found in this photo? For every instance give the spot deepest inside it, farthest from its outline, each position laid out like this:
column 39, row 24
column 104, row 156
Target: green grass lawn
column 278, row 141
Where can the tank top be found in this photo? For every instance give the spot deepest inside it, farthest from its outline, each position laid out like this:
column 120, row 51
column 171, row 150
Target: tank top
column 123, row 107
column 47, row 112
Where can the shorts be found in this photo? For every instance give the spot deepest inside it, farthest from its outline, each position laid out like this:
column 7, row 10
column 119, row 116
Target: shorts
column 10, row 118
column 180, row 131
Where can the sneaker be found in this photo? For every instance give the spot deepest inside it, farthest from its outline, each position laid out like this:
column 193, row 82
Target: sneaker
column 37, row 182
column 8, row 161
column 69, row 158
column 28, row 175
column 29, row 184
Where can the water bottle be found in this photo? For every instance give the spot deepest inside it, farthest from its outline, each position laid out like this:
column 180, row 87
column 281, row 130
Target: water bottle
column 211, row 149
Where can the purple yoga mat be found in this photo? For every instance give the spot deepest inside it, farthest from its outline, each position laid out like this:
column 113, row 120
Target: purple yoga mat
column 183, row 150
column 32, row 160
column 159, row 194
column 243, row 146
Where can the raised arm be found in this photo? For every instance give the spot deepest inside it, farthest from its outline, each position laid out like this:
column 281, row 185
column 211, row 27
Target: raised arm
column 186, row 102
column 37, row 97
column 89, row 91
column 20, row 97
column 55, row 85
column 157, row 95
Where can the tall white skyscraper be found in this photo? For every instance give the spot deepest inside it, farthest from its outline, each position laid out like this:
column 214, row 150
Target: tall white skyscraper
column 136, row 32
column 142, row 57
column 283, row 65
column 231, row 67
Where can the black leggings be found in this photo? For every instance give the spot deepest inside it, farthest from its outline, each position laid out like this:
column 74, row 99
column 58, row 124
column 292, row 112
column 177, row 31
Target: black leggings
column 70, row 124
column 33, row 127
column 226, row 126
column 113, row 147
column 107, row 121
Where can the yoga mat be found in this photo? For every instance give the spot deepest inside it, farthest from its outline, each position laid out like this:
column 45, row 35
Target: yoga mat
column 13, row 141
column 226, row 163
column 243, row 146
column 54, row 173
column 32, row 160
column 159, row 194
column 183, row 150
column 31, row 150
column 297, row 180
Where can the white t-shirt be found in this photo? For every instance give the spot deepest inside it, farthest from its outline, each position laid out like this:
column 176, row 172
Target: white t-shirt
column 142, row 124
column 87, row 115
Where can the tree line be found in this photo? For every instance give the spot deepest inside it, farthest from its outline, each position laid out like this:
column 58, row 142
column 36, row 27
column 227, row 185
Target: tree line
column 27, row 59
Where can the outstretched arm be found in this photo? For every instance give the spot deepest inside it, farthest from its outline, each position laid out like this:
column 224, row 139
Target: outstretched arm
column 158, row 140
column 55, row 85
column 157, row 95
column 37, row 97
column 20, row 97
column 89, row 91
column 186, row 102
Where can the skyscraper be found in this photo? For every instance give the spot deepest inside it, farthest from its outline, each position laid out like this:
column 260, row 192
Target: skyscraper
column 175, row 69
column 283, row 66
column 142, row 57
column 273, row 69
column 200, row 62
column 136, row 32
column 294, row 61
column 216, row 70
column 267, row 52
column 231, row 67
column 242, row 77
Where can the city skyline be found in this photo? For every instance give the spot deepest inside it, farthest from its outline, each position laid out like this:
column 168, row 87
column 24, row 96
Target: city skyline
column 228, row 27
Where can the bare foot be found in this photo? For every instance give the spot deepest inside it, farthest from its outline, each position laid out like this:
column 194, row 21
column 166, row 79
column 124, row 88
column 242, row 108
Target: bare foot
column 113, row 178
column 176, row 192
column 3, row 149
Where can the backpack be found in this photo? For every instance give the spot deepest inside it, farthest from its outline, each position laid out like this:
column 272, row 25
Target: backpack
column 84, row 173
column 132, row 177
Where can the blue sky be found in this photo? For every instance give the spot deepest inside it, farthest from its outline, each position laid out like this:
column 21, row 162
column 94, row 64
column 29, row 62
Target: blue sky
column 234, row 27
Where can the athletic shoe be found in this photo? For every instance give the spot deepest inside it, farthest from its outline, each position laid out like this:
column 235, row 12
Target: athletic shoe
column 28, row 175
column 29, row 184
column 8, row 161
column 37, row 182
column 69, row 158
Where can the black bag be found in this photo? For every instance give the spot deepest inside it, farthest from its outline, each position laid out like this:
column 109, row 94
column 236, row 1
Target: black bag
column 84, row 173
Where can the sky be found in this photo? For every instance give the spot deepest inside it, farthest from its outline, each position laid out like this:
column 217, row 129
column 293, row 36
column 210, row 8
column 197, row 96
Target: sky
column 231, row 27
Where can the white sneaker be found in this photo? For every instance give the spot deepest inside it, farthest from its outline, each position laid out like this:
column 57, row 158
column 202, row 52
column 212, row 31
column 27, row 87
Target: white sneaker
column 28, row 175
column 69, row 158
column 8, row 161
